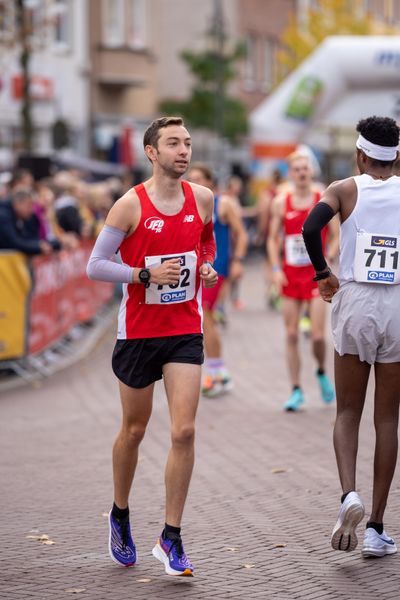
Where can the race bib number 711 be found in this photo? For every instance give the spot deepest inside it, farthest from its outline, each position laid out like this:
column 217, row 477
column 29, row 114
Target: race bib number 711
column 183, row 291
column 377, row 258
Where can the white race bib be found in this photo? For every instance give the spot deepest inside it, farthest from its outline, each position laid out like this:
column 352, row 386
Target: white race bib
column 295, row 251
column 182, row 291
column 377, row 258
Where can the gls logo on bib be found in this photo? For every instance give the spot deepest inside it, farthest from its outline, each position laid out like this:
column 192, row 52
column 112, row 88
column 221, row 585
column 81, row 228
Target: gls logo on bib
column 388, row 242
column 154, row 224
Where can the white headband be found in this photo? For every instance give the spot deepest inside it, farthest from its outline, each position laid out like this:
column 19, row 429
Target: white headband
column 376, row 151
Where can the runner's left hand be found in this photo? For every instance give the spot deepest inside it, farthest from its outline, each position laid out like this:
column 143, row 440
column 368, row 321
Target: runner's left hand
column 208, row 275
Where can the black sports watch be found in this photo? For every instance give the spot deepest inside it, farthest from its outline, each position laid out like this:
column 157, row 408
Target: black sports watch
column 324, row 275
column 144, row 276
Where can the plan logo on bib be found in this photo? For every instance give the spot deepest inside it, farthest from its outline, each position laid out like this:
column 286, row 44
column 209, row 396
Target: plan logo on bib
column 178, row 296
column 381, row 276
column 154, row 224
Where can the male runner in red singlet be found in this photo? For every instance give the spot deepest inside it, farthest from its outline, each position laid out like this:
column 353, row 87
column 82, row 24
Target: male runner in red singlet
column 163, row 229
column 293, row 278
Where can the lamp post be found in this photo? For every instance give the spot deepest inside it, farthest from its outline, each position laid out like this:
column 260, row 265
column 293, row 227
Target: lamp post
column 218, row 39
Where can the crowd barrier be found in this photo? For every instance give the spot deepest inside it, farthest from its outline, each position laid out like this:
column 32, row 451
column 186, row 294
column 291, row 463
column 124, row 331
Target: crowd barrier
column 42, row 299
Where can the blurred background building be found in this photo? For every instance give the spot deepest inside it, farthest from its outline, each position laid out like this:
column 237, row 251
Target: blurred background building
column 100, row 70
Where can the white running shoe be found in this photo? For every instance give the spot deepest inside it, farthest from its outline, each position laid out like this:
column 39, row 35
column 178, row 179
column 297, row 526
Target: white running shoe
column 350, row 514
column 377, row 545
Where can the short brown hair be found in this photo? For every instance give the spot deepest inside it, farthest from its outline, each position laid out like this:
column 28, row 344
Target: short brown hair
column 152, row 133
column 204, row 170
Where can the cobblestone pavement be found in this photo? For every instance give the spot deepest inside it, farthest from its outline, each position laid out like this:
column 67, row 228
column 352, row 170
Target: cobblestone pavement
column 263, row 500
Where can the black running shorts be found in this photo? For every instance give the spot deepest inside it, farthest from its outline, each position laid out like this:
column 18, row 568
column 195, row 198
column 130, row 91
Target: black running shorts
column 139, row 362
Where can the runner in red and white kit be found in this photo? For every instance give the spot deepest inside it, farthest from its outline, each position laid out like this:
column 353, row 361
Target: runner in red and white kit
column 293, row 275
column 163, row 229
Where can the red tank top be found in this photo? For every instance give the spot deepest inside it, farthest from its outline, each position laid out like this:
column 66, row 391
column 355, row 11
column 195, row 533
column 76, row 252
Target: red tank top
column 296, row 259
column 159, row 311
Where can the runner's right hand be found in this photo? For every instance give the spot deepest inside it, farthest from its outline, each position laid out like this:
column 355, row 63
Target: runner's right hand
column 279, row 279
column 328, row 287
column 167, row 273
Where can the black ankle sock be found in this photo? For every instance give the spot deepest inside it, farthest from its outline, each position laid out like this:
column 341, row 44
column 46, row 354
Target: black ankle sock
column 171, row 532
column 320, row 372
column 343, row 498
column 296, row 387
column 120, row 513
column 377, row 526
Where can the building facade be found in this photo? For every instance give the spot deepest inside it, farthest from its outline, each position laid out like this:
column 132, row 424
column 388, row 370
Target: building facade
column 123, row 83
column 100, row 68
column 59, row 71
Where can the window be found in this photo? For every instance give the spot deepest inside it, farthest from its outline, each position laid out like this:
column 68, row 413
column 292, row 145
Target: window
column 268, row 64
column 250, row 69
column 35, row 21
column 113, row 23
column 375, row 7
column 395, row 12
column 137, row 24
column 7, row 20
column 303, row 9
column 62, row 23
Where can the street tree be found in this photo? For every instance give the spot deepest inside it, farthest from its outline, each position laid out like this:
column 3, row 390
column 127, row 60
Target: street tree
column 23, row 31
column 24, row 26
column 210, row 106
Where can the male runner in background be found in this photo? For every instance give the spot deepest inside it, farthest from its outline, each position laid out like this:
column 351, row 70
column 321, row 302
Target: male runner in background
column 163, row 229
column 231, row 240
column 293, row 275
column 365, row 321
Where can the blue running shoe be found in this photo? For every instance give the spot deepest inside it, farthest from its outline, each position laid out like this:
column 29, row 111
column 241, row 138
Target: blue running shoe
column 295, row 400
column 171, row 553
column 121, row 546
column 327, row 389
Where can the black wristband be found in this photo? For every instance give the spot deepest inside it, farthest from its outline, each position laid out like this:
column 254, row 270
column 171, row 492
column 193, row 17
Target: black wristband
column 323, row 275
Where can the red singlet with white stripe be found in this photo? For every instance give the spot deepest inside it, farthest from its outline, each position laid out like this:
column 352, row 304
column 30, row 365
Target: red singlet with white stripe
column 160, row 311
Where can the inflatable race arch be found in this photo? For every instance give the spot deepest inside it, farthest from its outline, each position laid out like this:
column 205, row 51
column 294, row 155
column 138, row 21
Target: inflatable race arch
column 345, row 79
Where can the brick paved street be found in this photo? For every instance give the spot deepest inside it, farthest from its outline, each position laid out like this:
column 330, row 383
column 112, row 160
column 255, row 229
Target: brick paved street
column 263, row 500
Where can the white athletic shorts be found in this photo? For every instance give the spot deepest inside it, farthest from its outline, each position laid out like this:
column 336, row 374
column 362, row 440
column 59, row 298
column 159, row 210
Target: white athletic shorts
column 366, row 321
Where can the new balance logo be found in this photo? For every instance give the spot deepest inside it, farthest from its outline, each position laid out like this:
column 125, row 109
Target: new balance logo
column 188, row 219
column 154, row 224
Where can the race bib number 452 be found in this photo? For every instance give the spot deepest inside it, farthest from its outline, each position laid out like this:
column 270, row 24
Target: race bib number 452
column 377, row 258
column 183, row 291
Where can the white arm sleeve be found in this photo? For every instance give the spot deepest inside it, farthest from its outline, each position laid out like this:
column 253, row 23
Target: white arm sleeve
column 102, row 265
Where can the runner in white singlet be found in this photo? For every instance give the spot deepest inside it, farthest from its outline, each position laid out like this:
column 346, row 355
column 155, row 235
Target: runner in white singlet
column 365, row 321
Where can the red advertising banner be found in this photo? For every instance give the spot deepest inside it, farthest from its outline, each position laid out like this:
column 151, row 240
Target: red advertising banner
column 62, row 296
column 41, row 88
